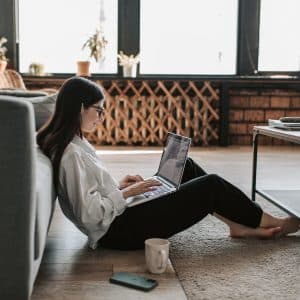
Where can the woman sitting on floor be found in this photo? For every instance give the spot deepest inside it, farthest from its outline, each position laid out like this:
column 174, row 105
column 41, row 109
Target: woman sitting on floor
column 91, row 198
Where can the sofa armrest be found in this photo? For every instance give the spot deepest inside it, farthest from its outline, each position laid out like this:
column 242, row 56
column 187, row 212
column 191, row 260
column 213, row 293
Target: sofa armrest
column 17, row 198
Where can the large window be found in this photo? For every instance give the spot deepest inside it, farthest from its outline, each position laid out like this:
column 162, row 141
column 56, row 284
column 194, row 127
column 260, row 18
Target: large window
column 279, row 37
column 54, row 32
column 188, row 37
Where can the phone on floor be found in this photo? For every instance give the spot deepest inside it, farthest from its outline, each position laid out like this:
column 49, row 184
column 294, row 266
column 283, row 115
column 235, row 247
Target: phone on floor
column 133, row 281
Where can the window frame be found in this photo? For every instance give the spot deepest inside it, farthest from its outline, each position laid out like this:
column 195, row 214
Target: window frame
column 276, row 72
column 129, row 22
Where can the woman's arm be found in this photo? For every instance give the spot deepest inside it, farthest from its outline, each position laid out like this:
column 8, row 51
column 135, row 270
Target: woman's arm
column 92, row 204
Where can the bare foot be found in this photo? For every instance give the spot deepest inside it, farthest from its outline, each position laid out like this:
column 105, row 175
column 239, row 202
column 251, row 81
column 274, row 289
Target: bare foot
column 289, row 225
column 259, row 232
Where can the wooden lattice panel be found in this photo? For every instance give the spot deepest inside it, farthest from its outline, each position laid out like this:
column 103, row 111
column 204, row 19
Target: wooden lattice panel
column 141, row 112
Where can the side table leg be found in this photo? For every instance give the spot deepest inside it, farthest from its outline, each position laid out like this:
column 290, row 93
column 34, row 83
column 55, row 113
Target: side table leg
column 254, row 166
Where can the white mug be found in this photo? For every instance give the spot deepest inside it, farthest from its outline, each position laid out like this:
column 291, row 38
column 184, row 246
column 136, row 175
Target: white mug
column 157, row 255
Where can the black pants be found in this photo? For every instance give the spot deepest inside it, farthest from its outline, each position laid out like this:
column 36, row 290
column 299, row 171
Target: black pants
column 199, row 194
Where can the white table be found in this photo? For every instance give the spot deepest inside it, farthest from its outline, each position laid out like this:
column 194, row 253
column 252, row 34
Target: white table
column 288, row 200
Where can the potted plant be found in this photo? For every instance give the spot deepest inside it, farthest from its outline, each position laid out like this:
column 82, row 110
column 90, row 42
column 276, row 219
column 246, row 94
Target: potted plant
column 3, row 58
column 129, row 63
column 96, row 45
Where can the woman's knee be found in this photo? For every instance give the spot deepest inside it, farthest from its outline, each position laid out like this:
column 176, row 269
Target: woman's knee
column 189, row 160
column 207, row 182
column 192, row 170
column 189, row 163
column 214, row 179
column 213, row 176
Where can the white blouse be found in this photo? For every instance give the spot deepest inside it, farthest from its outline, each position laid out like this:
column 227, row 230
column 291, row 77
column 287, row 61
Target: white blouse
column 87, row 193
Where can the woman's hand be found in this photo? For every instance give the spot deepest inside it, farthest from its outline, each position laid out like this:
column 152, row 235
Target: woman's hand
column 140, row 187
column 129, row 180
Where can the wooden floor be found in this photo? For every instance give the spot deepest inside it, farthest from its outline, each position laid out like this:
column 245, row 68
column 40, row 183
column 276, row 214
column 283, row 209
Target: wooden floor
column 70, row 270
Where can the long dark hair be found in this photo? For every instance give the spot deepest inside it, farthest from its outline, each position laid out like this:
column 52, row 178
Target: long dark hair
column 65, row 123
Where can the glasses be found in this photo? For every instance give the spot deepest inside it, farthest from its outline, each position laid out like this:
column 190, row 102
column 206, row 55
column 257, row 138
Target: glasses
column 100, row 110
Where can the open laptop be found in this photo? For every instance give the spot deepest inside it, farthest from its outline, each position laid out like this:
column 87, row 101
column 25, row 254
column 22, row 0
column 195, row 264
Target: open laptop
column 170, row 169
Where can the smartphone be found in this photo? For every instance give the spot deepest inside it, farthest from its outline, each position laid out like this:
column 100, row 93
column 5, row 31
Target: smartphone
column 133, row 281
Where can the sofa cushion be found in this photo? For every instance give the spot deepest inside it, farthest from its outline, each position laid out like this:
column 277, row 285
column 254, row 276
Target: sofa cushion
column 45, row 195
column 22, row 93
column 43, row 107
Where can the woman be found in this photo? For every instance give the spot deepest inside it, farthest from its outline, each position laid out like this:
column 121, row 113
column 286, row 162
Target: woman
column 96, row 203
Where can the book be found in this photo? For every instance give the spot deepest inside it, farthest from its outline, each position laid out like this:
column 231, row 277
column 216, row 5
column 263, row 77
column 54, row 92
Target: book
column 290, row 119
column 284, row 125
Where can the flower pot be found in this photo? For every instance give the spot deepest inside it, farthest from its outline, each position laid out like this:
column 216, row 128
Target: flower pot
column 36, row 69
column 83, row 68
column 3, row 64
column 129, row 71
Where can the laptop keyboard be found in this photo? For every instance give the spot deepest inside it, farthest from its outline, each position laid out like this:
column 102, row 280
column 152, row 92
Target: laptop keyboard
column 158, row 190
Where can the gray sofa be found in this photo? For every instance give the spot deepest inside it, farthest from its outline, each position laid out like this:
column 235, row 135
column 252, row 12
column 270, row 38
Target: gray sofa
column 27, row 199
column 43, row 104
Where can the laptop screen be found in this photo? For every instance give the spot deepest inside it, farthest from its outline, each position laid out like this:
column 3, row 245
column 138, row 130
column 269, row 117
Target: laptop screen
column 173, row 158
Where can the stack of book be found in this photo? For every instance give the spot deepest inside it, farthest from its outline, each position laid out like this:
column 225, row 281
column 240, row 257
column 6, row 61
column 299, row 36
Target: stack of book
column 287, row 123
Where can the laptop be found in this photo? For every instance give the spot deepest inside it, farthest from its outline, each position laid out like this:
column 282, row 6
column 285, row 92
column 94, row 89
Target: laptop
column 170, row 169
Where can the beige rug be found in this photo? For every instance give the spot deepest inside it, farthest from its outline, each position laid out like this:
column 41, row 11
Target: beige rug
column 211, row 265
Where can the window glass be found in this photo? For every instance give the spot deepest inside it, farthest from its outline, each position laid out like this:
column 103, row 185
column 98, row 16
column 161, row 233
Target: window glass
column 54, row 32
column 279, row 42
column 188, row 37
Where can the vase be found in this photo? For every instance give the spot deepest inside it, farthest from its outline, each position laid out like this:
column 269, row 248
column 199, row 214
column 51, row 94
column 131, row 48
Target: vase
column 83, row 68
column 129, row 71
column 3, row 64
